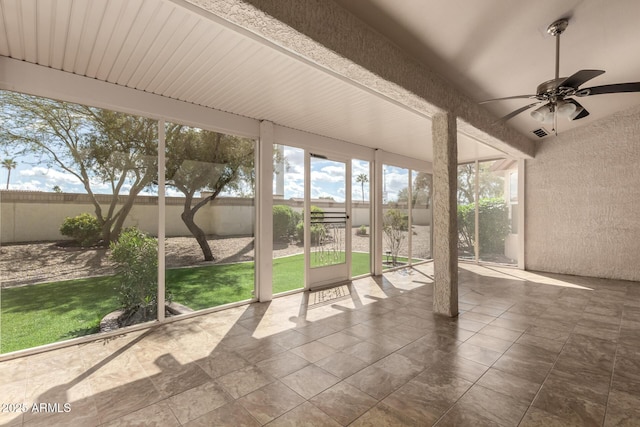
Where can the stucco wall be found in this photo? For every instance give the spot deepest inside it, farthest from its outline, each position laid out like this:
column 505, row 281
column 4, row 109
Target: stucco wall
column 583, row 201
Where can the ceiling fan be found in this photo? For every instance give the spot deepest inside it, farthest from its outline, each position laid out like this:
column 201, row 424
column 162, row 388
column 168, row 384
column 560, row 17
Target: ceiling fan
column 557, row 94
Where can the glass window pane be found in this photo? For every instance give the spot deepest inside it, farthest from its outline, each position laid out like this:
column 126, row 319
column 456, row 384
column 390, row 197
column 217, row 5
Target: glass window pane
column 421, row 191
column 360, row 214
column 395, row 189
column 288, row 224
column 494, row 211
column 77, row 178
column 209, row 217
column 328, row 212
column 466, row 210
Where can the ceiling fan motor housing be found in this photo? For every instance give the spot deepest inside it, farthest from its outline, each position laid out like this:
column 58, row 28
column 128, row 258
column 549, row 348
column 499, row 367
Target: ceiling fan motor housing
column 558, row 27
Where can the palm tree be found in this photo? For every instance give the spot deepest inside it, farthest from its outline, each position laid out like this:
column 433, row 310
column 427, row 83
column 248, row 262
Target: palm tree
column 9, row 164
column 362, row 178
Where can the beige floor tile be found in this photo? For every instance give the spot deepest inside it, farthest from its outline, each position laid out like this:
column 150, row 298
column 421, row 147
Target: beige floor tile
column 343, row 402
column 270, row 402
column 197, row 401
column 572, row 410
column 313, row 351
column 369, row 352
column 305, row 415
column 309, row 381
column 478, row 354
column 244, row 381
column 341, row 364
column 497, row 407
column 489, row 342
column 156, row 415
column 339, row 340
column 230, row 415
column 510, row 385
column 221, row 362
column 282, row 364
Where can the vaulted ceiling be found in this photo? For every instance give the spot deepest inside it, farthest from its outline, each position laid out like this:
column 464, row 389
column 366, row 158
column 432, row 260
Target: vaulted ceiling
column 498, row 48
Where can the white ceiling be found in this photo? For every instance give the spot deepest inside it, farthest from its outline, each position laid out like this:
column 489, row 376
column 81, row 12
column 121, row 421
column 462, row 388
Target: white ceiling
column 497, row 48
column 159, row 47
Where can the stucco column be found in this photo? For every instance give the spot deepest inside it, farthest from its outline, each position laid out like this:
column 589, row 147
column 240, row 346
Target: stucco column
column 445, row 218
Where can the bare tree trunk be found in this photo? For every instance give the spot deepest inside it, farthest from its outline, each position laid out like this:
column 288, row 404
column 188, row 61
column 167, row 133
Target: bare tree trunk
column 198, row 233
column 187, row 216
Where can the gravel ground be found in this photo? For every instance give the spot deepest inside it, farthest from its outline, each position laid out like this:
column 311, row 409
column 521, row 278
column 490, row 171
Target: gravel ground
column 24, row 264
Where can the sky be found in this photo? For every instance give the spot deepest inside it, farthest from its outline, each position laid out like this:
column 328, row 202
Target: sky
column 327, row 178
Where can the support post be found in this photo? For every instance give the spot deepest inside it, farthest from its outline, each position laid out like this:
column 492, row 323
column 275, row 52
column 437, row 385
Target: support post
column 161, row 219
column 264, row 216
column 445, row 218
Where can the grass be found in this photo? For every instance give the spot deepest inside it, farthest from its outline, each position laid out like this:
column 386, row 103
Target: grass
column 50, row 312
column 401, row 261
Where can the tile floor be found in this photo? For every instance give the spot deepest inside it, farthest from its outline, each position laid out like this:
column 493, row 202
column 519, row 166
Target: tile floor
column 527, row 349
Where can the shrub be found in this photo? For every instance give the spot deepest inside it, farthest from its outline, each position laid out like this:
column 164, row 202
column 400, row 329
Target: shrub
column 136, row 258
column 493, row 217
column 296, row 217
column 84, row 229
column 362, row 230
column 282, row 217
column 395, row 225
column 317, row 230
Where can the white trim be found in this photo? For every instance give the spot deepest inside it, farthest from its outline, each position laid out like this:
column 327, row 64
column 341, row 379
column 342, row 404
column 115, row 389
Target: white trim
column 348, row 232
column 401, row 161
column 161, row 220
column 376, row 204
column 521, row 213
column 476, row 215
column 329, row 146
column 249, row 34
column 264, row 214
column 307, row 219
column 37, row 80
column 410, row 216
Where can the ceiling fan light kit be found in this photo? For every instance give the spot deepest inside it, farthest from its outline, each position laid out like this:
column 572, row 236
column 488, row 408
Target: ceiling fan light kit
column 556, row 94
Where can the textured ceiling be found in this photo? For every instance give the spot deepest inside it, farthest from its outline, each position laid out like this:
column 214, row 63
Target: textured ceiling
column 162, row 48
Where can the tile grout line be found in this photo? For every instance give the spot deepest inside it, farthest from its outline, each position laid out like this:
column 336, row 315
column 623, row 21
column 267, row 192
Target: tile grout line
column 476, row 381
column 613, row 368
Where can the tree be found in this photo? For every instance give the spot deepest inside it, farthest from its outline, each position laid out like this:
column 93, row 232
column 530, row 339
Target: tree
column 362, row 179
column 420, row 192
column 9, row 164
column 94, row 145
column 198, row 160
column 422, row 189
column 395, row 225
column 489, row 184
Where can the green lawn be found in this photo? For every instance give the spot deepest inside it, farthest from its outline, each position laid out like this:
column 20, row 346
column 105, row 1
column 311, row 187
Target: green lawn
column 50, row 312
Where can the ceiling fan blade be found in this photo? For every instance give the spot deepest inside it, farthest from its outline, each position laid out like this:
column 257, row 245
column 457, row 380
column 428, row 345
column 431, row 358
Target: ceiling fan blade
column 614, row 88
column 582, row 76
column 515, row 113
column 508, row 97
column 582, row 112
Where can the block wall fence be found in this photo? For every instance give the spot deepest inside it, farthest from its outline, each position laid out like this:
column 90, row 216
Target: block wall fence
column 31, row 216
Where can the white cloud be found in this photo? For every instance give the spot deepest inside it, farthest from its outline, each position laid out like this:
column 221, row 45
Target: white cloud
column 27, row 186
column 293, row 189
column 317, row 176
column 51, row 176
